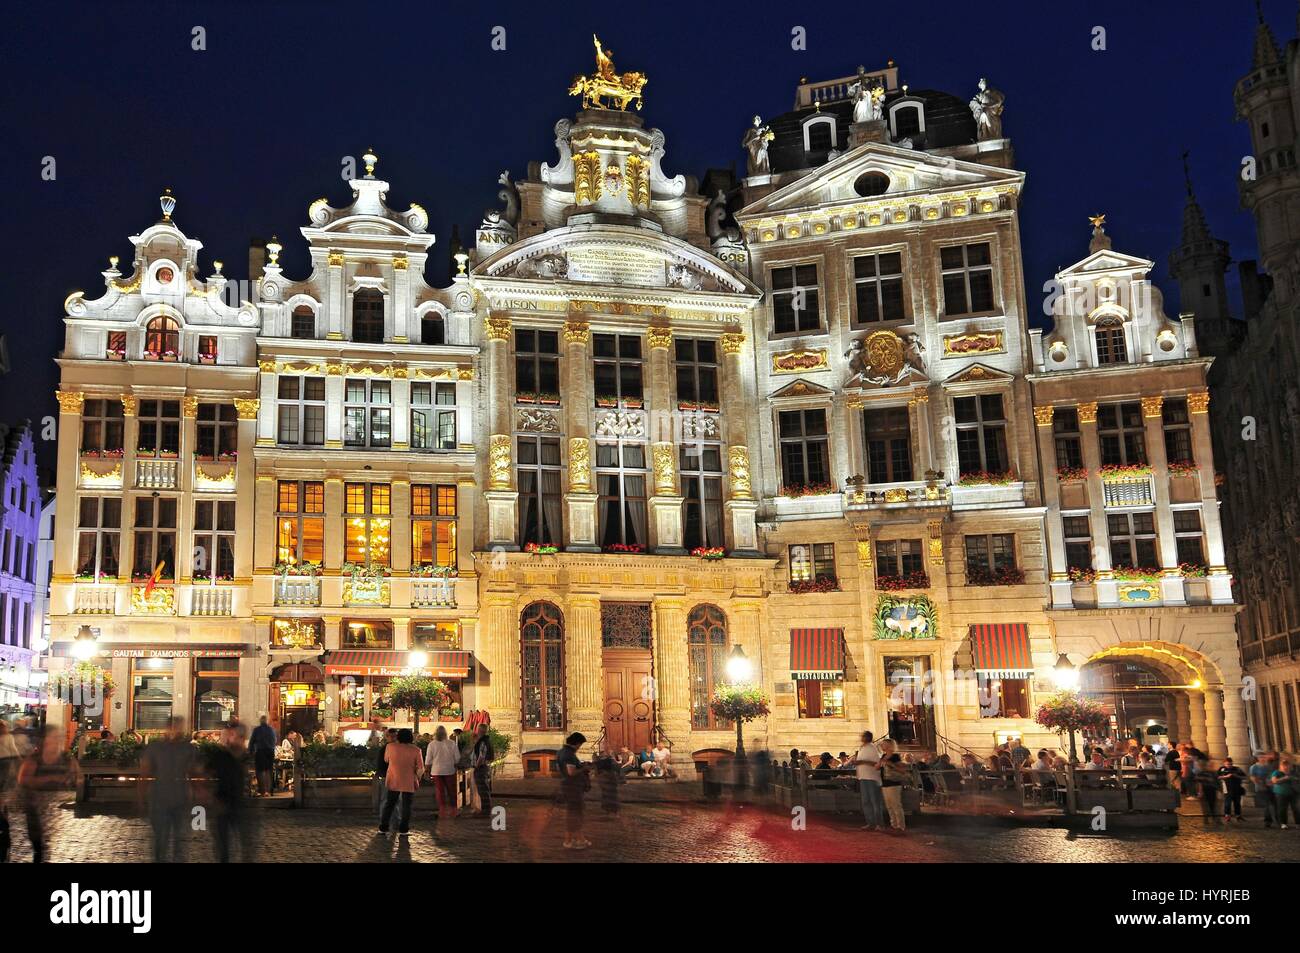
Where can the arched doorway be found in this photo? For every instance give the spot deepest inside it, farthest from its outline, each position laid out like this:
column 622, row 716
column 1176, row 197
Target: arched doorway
column 297, row 699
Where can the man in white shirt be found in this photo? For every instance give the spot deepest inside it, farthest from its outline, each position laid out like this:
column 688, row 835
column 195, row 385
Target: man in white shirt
column 867, row 762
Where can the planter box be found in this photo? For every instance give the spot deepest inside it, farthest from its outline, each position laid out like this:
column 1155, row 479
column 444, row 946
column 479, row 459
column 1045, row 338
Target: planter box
column 1109, row 799
column 1156, row 799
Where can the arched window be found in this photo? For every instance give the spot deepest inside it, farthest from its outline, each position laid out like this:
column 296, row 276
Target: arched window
column 1111, row 347
column 368, row 316
column 908, row 120
column 819, row 135
column 433, row 330
column 541, row 637
column 162, row 337
column 303, row 322
column 706, row 635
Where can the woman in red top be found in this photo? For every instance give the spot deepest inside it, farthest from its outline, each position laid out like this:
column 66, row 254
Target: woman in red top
column 405, row 768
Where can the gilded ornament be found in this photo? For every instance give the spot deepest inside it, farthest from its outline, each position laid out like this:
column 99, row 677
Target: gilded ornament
column 1198, row 402
column 732, row 342
column 638, row 181
column 70, row 401
column 1151, row 406
column 586, row 177
column 577, row 332
column 129, row 404
column 976, row 342
column 794, row 362
column 665, row 469
column 1043, row 415
column 496, row 328
column 399, row 262
column 864, row 553
column 247, row 407
column 884, row 353
column 190, row 403
column 1087, row 412
column 335, row 259
column 499, row 462
column 659, row 337
column 606, row 88
column 738, row 471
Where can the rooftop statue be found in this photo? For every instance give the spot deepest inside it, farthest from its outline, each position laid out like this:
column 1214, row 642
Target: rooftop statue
column 755, row 142
column 607, row 84
column 868, row 99
column 987, row 107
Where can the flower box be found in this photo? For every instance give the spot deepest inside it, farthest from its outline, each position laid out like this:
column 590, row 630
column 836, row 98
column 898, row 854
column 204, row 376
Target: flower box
column 538, row 549
column 434, row 572
column 1136, row 574
column 1082, row 574
column 625, row 548
column 1183, row 467
column 1071, row 474
column 297, row 569
column 207, row 358
column 606, row 401
column 708, row 552
column 820, row 584
column 103, row 578
column 102, row 454
column 1004, row 576
column 1124, row 472
column 1192, row 570
column 797, row 490
column 986, row 478
column 890, row 582
column 115, row 355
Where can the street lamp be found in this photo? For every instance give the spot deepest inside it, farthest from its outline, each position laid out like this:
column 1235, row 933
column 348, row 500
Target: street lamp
column 416, row 660
column 85, row 646
column 1067, row 676
column 739, row 671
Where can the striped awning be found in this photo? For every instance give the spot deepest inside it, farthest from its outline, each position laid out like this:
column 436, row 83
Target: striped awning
column 1001, row 650
column 816, row 653
column 390, row 662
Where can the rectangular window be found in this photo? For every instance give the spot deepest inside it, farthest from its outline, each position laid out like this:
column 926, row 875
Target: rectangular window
column 1188, row 537
column 1178, row 431
column 216, row 692
column 303, row 323
column 207, row 349
column 878, row 288
column 697, row 373
column 435, row 636
column 433, row 526
column 795, row 304
column 218, row 431
column 805, row 450
column 300, row 521
column 1004, row 697
column 537, row 365
column 367, row 413
column 301, row 411
column 967, row 279
column 160, row 427
column 214, row 540
column 989, row 557
column 700, row 466
column 899, row 557
column 297, row 633
column 433, row 416
column 621, row 482
column 888, row 438
column 1132, row 540
column 154, row 537
column 366, row 524
column 540, row 498
column 820, row 699
column 99, row 536
column 616, row 367
column 1067, row 438
column 981, row 434
column 101, row 426
column 811, row 563
column 1078, row 542
column 359, row 634
column 151, row 693
column 1121, row 434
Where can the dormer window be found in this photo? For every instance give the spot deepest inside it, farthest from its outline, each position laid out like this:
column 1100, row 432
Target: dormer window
column 162, row 339
column 906, row 119
column 1111, row 345
column 368, row 316
column 207, row 349
column 303, row 323
column 433, row 330
column 819, row 134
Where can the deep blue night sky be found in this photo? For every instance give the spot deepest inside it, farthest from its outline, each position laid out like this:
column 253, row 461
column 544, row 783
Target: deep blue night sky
column 250, row 131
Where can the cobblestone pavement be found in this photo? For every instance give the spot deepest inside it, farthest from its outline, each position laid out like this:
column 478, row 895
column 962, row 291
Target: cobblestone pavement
column 659, row 833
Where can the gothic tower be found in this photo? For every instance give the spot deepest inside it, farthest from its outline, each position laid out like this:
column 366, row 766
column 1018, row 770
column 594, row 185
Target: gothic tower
column 1199, row 264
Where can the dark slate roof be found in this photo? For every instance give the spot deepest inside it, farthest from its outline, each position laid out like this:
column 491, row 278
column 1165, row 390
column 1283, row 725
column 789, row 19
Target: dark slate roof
column 948, row 122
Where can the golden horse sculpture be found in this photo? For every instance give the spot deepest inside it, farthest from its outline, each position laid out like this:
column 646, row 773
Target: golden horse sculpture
column 606, row 83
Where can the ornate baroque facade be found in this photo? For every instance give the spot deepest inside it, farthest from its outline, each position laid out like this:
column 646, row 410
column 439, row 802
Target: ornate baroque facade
column 798, row 414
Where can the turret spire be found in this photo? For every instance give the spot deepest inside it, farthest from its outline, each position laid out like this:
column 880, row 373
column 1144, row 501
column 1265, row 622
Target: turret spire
column 1266, row 51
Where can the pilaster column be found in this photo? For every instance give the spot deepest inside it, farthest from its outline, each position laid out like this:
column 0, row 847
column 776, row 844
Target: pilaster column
column 1171, row 581
column 502, row 499
column 584, row 708
column 466, row 534
column 334, row 546
column 579, row 399
column 1196, row 713
column 672, row 674
column 733, row 409
column 69, row 472
column 919, row 406
column 399, row 526
column 245, row 477
column 1107, row 589
column 1058, row 569
column 400, row 394
column 1216, row 735
column 267, row 384
column 741, row 530
column 497, row 650
column 335, row 298
column 665, row 507
column 1237, row 738
column 1220, row 580
column 264, row 542
column 335, row 388
column 497, row 330
column 1183, row 710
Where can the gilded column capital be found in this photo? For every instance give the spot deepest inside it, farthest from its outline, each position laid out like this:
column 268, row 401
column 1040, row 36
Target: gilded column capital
column 399, row 263
column 738, row 472
column 130, row 403
column 1198, row 402
column 864, row 554
column 499, row 462
column 577, row 332
column 70, row 401
column 496, row 328
column 659, row 337
column 665, row 466
column 247, row 407
column 190, row 405
column 732, row 342
column 1151, row 406
column 579, row 465
column 1087, row 412
column 335, row 259
column 935, row 528
column 1043, row 415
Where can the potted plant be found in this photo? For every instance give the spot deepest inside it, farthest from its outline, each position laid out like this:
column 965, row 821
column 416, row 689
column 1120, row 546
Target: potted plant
column 417, row 694
column 541, row 549
column 986, row 478
column 81, row 684
column 1071, row 474
column 625, row 548
column 548, row 397
column 1124, row 472
column 606, row 400
column 739, row 704
column 709, row 553
column 892, row 582
column 1183, row 467
column 819, row 584
column 525, row 397
column 1067, row 712
column 1083, row 574
column 1001, row 576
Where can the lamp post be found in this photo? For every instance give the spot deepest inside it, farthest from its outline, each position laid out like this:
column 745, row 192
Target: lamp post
column 85, row 645
column 739, row 672
column 1067, row 678
column 415, row 663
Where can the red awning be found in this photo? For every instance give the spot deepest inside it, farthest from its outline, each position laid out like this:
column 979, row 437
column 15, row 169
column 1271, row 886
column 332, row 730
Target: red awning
column 1002, row 650
column 390, row 662
column 816, row 653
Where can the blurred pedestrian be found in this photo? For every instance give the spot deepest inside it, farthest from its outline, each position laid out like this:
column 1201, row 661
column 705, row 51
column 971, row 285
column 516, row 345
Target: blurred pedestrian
column 608, row 777
column 1284, row 793
column 8, row 777
column 1232, row 782
column 228, row 765
column 481, row 756
column 1260, row 772
column 440, row 763
column 405, row 768
column 894, row 775
column 381, row 769
column 46, row 771
column 168, row 761
column 867, row 761
column 262, row 747
column 574, row 783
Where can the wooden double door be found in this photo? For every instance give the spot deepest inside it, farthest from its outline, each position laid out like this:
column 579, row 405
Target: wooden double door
column 629, row 698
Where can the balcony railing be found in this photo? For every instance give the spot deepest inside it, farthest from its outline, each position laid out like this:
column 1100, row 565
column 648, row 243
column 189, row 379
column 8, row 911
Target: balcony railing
column 92, row 599
column 156, row 474
column 297, row 590
column 436, row 593
column 212, row 600
column 1136, row 491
